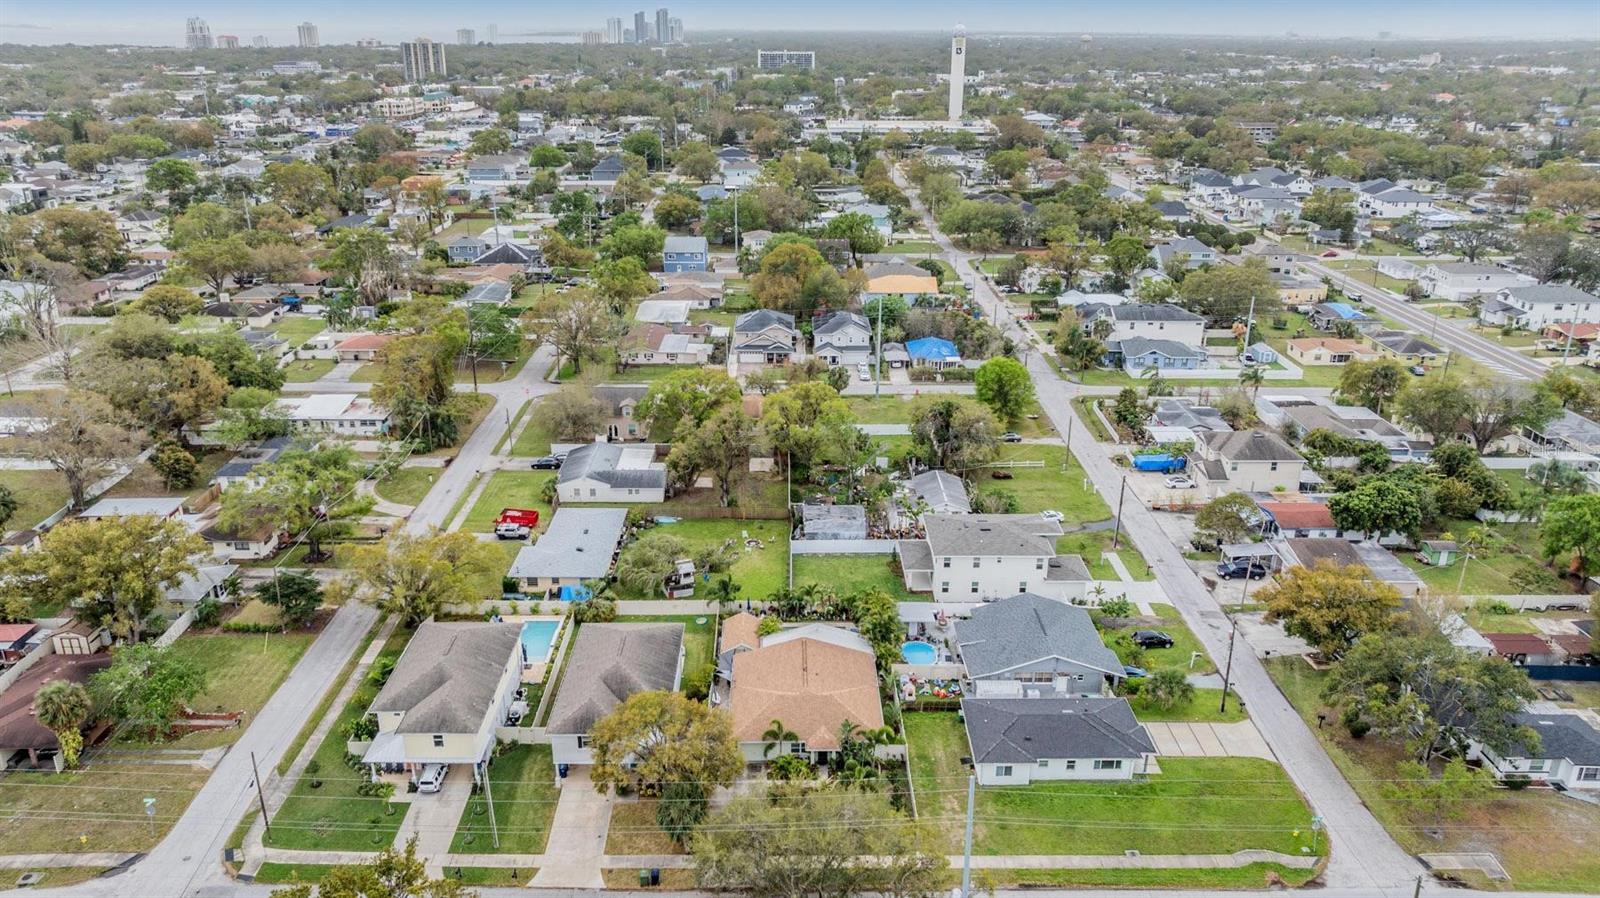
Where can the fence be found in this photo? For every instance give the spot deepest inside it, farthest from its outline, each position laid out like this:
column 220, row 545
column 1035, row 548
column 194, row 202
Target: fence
column 178, row 627
column 842, row 547
column 1577, row 672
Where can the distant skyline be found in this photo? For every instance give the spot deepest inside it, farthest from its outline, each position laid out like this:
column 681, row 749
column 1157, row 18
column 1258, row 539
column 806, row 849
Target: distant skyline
column 160, row 22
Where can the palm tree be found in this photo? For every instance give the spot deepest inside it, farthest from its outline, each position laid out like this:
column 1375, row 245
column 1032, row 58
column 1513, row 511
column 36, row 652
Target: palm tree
column 62, row 707
column 776, row 734
column 1157, row 385
column 1080, row 351
column 725, row 593
column 1253, row 377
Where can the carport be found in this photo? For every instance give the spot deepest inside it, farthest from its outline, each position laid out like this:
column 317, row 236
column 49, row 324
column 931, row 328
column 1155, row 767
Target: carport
column 1261, row 552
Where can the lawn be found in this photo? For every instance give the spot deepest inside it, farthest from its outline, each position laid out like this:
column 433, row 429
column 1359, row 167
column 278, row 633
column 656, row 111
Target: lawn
column 845, row 574
column 1057, row 486
column 1250, row 876
column 1168, row 621
column 1544, row 841
column 333, row 816
column 510, row 489
column 304, row 371
column 525, row 796
column 492, row 371
column 758, row 572
column 1488, row 574
column 144, row 481
column 534, row 440
column 699, row 640
column 1365, row 271
column 406, row 486
column 1194, row 806
column 913, row 246
column 634, row 830
column 297, row 329
column 39, row 494
column 1093, row 544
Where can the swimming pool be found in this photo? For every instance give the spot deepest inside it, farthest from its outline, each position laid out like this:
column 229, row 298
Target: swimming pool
column 536, row 638
column 919, row 653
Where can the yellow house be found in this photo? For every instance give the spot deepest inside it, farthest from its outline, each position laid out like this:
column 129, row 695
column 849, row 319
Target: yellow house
column 1406, row 348
column 899, row 278
column 1296, row 291
column 451, row 688
column 1329, row 351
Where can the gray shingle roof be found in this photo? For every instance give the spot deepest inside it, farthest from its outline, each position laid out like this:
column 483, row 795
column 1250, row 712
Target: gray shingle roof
column 943, row 491
column 1004, row 635
column 836, row 321
column 598, row 461
column 614, row 395
column 446, row 678
column 1550, row 293
column 1249, row 445
column 578, row 544
column 681, row 244
column 1563, row 736
column 914, row 554
column 761, row 319
column 1172, row 349
column 961, row 534
column 609, row 663
column 1024, row 730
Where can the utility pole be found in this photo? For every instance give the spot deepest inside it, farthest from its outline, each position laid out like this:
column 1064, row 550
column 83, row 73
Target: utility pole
column 265, row 820
column 877, row 385
column 1417, row 892
column 488, row 795
column 1227, row 673
column 1116, row 533
column 966, row 853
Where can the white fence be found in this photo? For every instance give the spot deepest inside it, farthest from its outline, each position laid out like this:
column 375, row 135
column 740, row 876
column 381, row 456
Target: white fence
column 842, row 547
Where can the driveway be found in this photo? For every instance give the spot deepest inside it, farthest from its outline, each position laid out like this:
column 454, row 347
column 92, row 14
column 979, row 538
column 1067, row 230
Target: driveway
column 1209, row 740
column 577, row 836
column 432, row 818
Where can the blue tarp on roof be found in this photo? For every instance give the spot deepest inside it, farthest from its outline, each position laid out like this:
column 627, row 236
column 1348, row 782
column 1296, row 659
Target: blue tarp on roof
column 1346, row 311
column 932, row 349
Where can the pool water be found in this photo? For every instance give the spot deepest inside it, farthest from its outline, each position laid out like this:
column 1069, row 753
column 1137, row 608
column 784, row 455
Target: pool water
column 536, row 638
column 919, row 653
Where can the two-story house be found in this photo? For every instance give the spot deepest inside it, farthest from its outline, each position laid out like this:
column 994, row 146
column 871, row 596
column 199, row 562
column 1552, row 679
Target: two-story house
column 1396, row 202
column 1245, row 461
column 500, row 167
column 1197, row 254
column 451, row 688
column 621, row 400
column 980, row 558
column 1455, row 281
column 841, row 338
column 684, row 254
column 765, row 337
column 1537, row 306
column 607, row 663
column 1155, row 321
column 1030, row 646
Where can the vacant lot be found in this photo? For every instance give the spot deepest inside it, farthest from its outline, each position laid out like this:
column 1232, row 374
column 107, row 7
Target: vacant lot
column 1194, row 806
column 39, row 494
column 297, row 329
column 634, row 830
column 1093, row 544
column 406, row 486
column 758, row 572
column 1057, row 484
column 525, row 796
column 302, row 371
column 510, row 489
column 845, row 574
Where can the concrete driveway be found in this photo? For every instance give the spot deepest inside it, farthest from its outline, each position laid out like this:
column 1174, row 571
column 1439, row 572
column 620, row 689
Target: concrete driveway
column 577, row 836
column 1209, row 740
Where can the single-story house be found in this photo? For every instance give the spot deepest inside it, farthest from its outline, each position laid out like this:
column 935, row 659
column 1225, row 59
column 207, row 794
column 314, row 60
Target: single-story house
column 1329, row 351
column 1525, row 648
column 613, row 472
column 1016, row 741
column 898, row 279
column 1029, row 646
column 23, row 740
column 1404, row 347
column 452, row 686
column 1380, row 563
column 157, row 506
column 1135, row 354
column 833, row 521
column 661, row 344
column 340, row 414
column 1324, row 315
column 361, row 347
column 811, row 684
column 698, row 296
column 606, row 664
column 1568, row 756
column 578, row 544
column 933, row 352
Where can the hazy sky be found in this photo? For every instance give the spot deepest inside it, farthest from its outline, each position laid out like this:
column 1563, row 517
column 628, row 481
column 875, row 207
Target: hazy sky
column 161, row 22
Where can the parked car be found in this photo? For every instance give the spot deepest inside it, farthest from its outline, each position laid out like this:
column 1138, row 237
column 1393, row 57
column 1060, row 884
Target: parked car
column 431, row 778
column 1134, row 673
column 863, row 372
column 1418, row 370
column 1180, row 482
column 547, row 463
column 1255, row 570
column 1011, row 436
column 1051, row 515
column 1152, row 639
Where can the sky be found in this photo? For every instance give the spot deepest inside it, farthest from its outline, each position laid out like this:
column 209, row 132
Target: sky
column 161, row 22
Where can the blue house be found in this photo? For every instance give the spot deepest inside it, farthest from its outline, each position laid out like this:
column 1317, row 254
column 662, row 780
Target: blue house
column 684, row 254
column 933, row 352
column 1138, row 353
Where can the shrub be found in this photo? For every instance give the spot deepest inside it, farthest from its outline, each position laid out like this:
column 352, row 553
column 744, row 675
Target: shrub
column 594, row 611
column 362, row 728
column 1516, row 782
column 1117, row 607
column 206, row 612
column 1356, row 725
column 768, row 626
column 697, row 685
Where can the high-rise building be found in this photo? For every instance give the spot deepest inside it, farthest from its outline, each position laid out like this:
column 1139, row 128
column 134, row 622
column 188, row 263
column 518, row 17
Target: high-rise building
column 641, row 29
column 958, row 71
column 227, row 42
column 494, row 33
column 308, row 35
column 594, row 38
column 614, row 30
column 627, row 35
column 260, row 41
column 197, row 34
column 675, row 29
column 663, row 26
column 466, row 37
column 423, row 59
column 778, row 59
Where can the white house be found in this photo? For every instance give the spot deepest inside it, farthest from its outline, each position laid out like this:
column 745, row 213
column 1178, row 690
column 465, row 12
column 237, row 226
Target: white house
column 1245, row 460
column 1030, row 646
column 1154, row 321
column 980, row 558
column 1198, row 253
column 578, row 544
column 1568, row 754
column 1456, row 281
column 1396, row 202
column 606, row 664
column 1017, row 741
column 451, row 688
column 1537, row 306
column 1399, row 268
column 339, row 414
column 661, row 344
column 842, row 338
column 612, row 472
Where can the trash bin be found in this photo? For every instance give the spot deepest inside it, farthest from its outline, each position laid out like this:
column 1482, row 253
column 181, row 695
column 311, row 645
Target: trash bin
column 655, row 876
column 644, row 877
column 561, row 770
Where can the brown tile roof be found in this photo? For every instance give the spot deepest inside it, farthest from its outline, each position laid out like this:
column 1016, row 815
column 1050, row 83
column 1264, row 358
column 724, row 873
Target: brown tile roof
column 740, row 629
column 364, row 341
column 1299, row 515
column 18, row 729
column 810, row 685
column 1517, row 643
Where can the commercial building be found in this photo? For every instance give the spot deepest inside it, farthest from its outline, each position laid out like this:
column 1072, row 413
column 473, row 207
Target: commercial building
column 641, row 28
column 197, row 34
column 227, row 42
column 958, row 69
column 308, row 35
column 466, row 37
column 781, row 59
column 423, row 59
column 614, row 30
column 663, row 26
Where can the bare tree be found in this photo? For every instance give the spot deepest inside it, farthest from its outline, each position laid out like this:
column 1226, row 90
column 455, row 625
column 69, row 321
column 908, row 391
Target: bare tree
column 80, row 435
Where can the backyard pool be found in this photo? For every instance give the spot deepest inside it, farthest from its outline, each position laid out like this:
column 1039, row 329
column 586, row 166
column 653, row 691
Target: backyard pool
column 536, row 638
column 919, row 653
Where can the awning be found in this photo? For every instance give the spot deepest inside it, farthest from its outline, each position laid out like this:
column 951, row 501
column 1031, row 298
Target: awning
column 386, row 748
column 1248, row 550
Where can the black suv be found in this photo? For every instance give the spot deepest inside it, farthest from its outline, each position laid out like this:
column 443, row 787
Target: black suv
column 1255, row 570
column 1152, row 639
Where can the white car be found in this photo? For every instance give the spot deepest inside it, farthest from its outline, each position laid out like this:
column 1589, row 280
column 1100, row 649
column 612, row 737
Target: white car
column 1051, row 515
column 432, row 777
column 1179, row 482
column 863, row 372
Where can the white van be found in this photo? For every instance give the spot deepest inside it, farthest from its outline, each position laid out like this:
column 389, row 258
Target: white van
column 432, row 777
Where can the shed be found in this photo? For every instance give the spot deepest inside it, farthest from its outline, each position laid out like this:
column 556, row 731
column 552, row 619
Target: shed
column 1439, row 552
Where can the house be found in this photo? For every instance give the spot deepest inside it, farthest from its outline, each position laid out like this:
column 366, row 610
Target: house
column 1397, row 202
column 487, row 293
column 1329, row 351
column 358, row 220
column 1379, row 562
column 1029, row 646
column 1135, row 354
column 242, row 467
column 898, row 279
column 1325, row 315
column 608, row 170
column 1351, row 421
column 1538, row 305
column 16, row 641
column 1155, row 321
column 361, row 347
column 1568, row 756
column 940, row 492
column 250, row 542
column 620, row 401
column 932, row 352
column 244, row 314
column 698, row 296
column 466, row 248
column 980, row 558
column 1172, row 211
column 157, row 507
column 1399, row 268
column 685, row 254
column 836, row 522
column 765, row 337
column 1455, row 281
column 340, row 414
column 1017, row 741
column 1188, row 415
column 841, row 338
column 737, row 175
column 660, row 344
column 497, row 167
column 612, row 472
column 1196, row 254
column 452, row 686
column 1404, row 347
column 578, row 544
column 812, row 684
column 1245, row 460
column 1302, row 519
column 1523, row 649
column 1296, row 291
column 606, row 664
column 23, row 740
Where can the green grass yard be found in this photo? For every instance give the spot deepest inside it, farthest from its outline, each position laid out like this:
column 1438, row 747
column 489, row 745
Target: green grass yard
column 525, row 796
column 1168, row 621
column 407, row 486
column 1194, row 806
column 510, row 489
column 758, row 572
column 304, row 371
column 845, row 574
column 1093, row 544
column 39, row 494
column 297, row 329
column 1051, row 487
